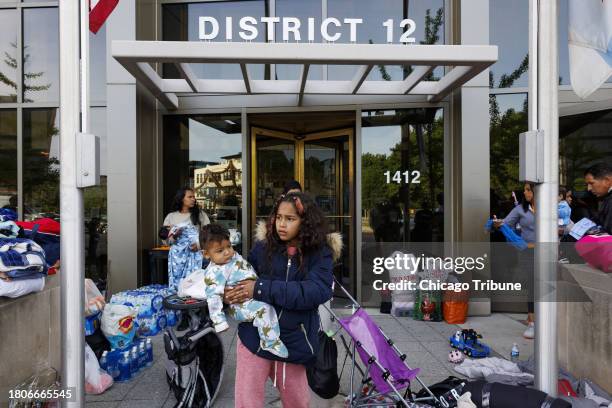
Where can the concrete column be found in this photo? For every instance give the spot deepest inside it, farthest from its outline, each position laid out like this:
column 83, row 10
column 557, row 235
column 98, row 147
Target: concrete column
column 122, row 158
column 471, row 139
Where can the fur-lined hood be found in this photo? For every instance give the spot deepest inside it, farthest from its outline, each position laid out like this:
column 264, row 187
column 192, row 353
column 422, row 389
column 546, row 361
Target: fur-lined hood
column 334, row 239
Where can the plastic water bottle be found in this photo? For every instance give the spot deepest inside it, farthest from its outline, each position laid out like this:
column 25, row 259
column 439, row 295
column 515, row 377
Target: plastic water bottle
column 125, row 370
column 149, row 349
column 113, row 363
column 142, row 355
column 104, row 361
column 514, row 354
column 134, row 361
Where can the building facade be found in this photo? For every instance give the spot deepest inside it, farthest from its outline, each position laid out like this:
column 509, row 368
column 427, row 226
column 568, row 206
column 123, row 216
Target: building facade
column 360, row 158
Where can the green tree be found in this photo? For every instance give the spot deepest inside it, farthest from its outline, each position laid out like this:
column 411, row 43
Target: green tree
column 28, row 77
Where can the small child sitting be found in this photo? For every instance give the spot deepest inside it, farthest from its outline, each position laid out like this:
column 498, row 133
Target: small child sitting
column 227, row 268
column 564, row 211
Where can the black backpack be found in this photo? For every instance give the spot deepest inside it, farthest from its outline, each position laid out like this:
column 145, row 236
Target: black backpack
column 323, row 374
column 446, row 392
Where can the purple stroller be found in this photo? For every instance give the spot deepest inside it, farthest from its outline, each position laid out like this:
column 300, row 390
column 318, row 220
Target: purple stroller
column 385, row 377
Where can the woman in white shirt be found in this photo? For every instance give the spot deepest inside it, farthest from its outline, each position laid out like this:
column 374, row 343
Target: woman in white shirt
column 184, row 256
column 186, row 209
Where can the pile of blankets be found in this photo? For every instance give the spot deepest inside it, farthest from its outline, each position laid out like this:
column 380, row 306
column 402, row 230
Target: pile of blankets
column 23, row 267
column 498, row 370
column 8, row 227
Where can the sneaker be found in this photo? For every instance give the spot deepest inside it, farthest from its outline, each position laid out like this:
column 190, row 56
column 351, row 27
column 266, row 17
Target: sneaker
column 529, row 331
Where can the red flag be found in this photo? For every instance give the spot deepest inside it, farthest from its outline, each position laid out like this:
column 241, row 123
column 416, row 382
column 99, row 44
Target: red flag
column 99, row 10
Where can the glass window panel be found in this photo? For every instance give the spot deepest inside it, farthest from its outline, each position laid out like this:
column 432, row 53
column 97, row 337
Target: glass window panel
column 181, row 23
column 8, row 159
column 275, row 165
column 96, row 227
column 303, row 10
column 426, row 14
column 564, row 76
column 95, row 206
column 41, row 169
column 204, row 153
column 40, row 55
column 393, row 211
column 584, row 140
column 508, row 119
column 509, row 30
column 97, row 73
column 98, row 128
column 8, row 50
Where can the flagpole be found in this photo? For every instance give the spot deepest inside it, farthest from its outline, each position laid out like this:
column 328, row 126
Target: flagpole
column 544, row 115
column 84, row 66
column 71, row 209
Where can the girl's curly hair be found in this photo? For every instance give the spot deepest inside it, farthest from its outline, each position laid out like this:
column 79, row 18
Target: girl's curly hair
column 313, row 229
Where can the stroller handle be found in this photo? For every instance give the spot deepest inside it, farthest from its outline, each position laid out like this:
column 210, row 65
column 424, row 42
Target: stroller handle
column 346, row 292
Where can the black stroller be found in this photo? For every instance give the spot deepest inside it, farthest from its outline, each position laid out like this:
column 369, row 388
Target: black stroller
column 194, row 368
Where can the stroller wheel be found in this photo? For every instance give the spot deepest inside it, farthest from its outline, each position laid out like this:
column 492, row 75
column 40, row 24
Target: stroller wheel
column 201, row 390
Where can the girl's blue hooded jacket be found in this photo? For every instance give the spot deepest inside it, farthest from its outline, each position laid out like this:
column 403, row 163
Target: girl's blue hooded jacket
column 296, row 296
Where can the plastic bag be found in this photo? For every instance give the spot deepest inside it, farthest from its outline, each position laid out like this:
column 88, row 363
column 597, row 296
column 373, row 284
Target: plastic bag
column 96, row 379
column 94, row 301
column 17, row 288
column 193, row 285
column 596, row 250
column 428, row 306
column 118, row 325
column 455, row 306
column 397, row 275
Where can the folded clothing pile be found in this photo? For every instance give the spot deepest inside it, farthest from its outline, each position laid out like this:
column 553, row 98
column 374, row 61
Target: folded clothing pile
column 8, row 229
column 23, row 267
column 46, row 233
column 6, row 214
column 151, row 316
column 18, row 288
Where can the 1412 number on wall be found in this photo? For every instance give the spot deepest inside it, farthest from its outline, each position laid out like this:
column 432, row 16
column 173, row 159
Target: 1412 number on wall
column 405, row 177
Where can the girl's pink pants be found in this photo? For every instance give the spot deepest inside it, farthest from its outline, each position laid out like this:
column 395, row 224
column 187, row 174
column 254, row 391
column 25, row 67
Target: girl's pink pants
column 252, row 372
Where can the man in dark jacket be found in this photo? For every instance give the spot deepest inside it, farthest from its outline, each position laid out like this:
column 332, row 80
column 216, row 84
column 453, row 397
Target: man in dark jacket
column 599, row 182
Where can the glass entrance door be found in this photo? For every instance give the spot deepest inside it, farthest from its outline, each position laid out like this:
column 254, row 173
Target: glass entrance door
column 323, row 164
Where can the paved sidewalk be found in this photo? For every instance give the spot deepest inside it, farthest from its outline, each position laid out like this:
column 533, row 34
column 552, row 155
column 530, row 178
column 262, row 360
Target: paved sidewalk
column 425, row 343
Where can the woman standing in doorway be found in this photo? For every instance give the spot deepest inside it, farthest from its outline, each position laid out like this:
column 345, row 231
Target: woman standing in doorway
column 294, row 261
column 184, row 224
column 185, row 209
column 524, row 215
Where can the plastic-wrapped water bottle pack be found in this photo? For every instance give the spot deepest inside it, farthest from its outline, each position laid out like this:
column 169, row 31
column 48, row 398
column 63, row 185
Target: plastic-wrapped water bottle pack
column 125, row 364
column 148, row 301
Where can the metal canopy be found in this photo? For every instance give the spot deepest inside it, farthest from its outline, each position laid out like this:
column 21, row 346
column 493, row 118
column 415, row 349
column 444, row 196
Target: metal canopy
column 463, row 62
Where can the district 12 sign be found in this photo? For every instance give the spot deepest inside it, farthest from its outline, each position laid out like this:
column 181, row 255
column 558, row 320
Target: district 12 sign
column 294, row 30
